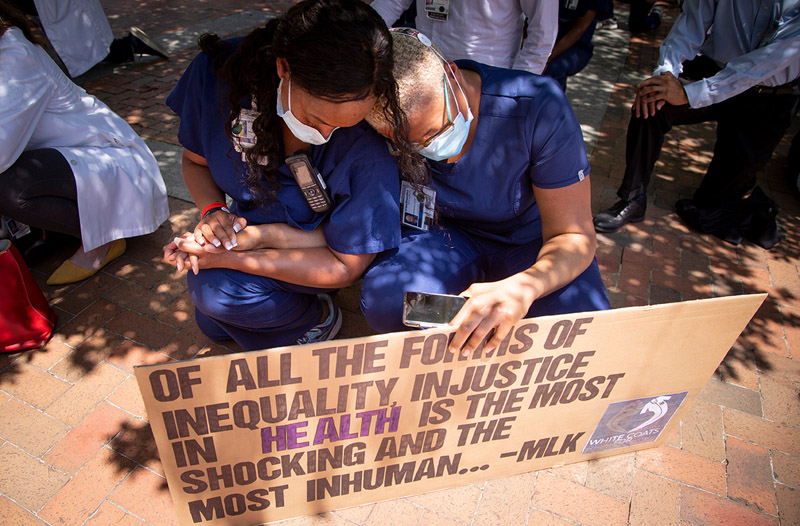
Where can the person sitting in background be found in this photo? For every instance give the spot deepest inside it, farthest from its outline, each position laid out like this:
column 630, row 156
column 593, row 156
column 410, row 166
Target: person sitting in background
column 574, row 48
column 509, row 180
column 67, row 162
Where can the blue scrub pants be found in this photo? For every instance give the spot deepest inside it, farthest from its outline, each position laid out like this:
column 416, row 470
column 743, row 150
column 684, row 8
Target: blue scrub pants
column 256, row 312
column 447, row 260
column 568, row 63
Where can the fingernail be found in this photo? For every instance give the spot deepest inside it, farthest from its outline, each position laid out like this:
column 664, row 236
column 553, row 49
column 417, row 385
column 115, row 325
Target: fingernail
column 465, row 352
column 237, row 227
column 488, row 349
column 228, row 245
column 235, row 243
column 216, row 242
column 176, row 240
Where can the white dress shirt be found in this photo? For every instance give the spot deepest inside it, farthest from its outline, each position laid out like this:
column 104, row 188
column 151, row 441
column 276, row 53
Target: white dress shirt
column 487, row 31
column 756, row 42
column 120, row 189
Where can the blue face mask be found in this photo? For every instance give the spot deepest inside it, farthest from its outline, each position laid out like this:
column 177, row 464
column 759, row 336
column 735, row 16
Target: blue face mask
column 452, row 140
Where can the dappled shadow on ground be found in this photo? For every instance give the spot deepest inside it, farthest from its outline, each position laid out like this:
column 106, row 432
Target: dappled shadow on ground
column 135, row 441
column 161, row 16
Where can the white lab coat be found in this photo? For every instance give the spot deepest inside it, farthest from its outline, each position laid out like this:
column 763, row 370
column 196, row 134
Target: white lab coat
column 78, row 30
column 120, row 189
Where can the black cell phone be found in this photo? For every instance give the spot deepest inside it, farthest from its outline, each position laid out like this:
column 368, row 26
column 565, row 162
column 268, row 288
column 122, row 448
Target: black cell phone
column 310, row 182
column 426, row 310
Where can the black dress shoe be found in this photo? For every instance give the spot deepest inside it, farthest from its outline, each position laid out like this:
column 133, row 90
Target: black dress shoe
column 144, row 45
column 622, row 213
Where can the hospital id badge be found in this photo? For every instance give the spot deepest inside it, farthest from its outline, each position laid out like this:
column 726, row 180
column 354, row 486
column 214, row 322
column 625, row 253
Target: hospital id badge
column 417, row 206
column 15, row 228
column 437, row 9
column 244, row 136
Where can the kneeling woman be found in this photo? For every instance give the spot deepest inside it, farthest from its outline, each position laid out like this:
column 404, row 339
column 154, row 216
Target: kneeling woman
column 67, row 162
column 245, row 105
column 509, row 170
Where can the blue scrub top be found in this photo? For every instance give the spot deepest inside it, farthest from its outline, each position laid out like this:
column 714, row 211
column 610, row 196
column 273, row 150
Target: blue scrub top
column 527, row 135
column 356, row 164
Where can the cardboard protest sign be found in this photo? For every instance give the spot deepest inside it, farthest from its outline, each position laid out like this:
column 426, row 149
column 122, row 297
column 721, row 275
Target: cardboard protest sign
column 256, row 437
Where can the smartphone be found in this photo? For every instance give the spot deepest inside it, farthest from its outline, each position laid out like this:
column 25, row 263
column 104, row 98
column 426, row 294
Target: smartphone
column 426, row 310
column 310, row 182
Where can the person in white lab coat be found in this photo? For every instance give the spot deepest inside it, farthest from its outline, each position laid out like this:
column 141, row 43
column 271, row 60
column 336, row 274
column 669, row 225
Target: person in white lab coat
column 81, row 35
column 67, row 162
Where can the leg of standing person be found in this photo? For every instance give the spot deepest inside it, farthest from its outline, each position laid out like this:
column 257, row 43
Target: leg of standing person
column 644, row 16
column 606, row 19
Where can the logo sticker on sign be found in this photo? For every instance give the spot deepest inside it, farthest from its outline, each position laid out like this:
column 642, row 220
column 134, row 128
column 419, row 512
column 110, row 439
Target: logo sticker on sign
column 633, row 422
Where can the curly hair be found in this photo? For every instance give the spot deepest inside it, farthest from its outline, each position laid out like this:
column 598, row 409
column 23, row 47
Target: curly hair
column 337, row 50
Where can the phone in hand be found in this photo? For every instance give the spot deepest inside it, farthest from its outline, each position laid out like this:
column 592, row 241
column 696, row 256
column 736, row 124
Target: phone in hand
column 426, row 310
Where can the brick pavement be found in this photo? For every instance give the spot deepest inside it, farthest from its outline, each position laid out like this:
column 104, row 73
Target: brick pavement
column 75, row 444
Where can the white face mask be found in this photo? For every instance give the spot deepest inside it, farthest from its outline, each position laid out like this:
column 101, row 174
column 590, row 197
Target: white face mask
column 302, row 131
column 450, row 143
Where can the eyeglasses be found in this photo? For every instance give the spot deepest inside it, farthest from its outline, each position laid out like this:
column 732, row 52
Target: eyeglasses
column 443, row 129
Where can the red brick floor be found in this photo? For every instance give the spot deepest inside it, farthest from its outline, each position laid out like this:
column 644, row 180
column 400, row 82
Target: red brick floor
column 75, row 444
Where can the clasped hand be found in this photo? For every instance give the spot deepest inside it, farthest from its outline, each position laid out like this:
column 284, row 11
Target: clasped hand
column 653, row 93
column 201, row 247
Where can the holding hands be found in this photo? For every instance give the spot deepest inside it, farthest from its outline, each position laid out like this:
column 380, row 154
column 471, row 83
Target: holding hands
column 219, row 228
column 214, row 235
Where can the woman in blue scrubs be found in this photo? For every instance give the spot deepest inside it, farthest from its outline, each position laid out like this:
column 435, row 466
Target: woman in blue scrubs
column 302, row 83
column 508, row 167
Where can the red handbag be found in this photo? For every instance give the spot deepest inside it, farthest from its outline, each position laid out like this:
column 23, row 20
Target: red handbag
column 26, row 320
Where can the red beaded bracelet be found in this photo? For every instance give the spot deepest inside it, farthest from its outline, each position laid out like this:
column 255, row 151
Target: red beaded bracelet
column 212, row 207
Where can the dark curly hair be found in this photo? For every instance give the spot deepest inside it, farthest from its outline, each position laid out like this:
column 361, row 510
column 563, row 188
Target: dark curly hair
column 337, row 50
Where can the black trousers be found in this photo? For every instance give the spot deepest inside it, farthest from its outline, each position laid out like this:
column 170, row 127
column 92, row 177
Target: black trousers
column 39, row 190
column 749, row 127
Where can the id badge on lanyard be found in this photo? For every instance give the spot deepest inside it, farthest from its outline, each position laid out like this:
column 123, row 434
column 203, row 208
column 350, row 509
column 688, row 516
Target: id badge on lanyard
column 437, row 10
column 417, row 206
column 244, row 135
